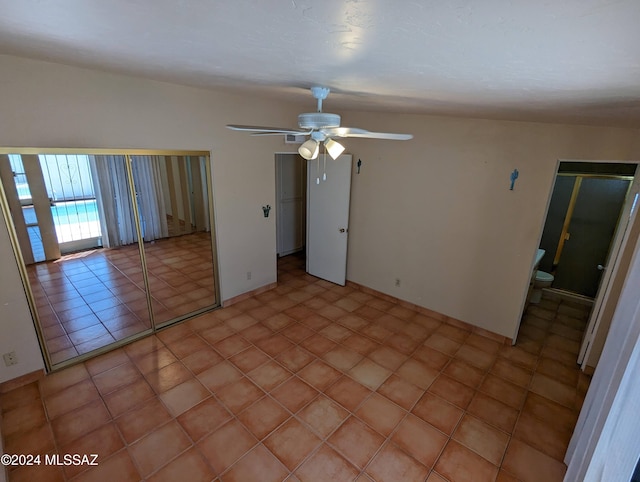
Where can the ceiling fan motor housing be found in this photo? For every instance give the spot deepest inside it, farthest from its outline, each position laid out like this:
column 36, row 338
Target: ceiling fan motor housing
column 318, row 120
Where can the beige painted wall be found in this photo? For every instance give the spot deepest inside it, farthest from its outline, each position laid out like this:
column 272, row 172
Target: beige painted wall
column 16, row 325
column 48, row 105
column 435, row 212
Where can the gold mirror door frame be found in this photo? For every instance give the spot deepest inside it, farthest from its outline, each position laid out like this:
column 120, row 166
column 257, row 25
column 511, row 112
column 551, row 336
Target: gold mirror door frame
column 152, row 263
column 178, row 258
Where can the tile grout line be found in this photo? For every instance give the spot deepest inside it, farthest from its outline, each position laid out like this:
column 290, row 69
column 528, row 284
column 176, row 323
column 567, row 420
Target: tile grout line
column 343, row 373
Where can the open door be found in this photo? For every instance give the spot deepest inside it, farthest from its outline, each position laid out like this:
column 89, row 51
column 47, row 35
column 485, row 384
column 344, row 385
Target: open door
column 328, row 196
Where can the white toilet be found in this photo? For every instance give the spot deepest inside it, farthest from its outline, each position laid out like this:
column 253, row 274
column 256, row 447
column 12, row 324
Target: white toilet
column 542, row 280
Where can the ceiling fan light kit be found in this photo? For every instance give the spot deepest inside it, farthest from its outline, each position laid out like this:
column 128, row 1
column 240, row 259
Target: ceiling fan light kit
column 309, row 149
column 333, row 148
column 322, row 127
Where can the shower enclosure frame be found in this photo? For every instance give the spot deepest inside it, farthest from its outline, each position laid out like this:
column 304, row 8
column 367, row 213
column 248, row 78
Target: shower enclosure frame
column 579, row 177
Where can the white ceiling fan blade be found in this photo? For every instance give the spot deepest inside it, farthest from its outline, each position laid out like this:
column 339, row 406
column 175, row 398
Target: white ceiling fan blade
column 266, row 130
column 321, row 126
column 355, row 132
column 279, row 133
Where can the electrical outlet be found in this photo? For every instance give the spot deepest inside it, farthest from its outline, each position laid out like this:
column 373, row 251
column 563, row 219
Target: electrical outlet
column 10, row 358
column 248, row 275
column 397, row 281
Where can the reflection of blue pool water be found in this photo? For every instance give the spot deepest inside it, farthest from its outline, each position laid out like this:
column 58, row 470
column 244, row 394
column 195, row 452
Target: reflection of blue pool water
column 74, row 211
column 74, row 220
column 67, row 212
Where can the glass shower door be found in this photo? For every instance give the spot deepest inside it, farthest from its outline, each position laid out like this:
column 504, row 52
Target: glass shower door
column 553, row 227
column 591, row 229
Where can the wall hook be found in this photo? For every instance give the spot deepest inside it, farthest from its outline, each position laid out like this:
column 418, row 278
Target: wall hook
column 514, row 176
column 359, row 164
column 265, row 210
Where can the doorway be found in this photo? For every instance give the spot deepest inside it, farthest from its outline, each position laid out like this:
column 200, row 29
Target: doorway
column 291, row 215
column 291, row 208
column 312, row 214
column 584, row 213
column 144, row 253
column 586, row 228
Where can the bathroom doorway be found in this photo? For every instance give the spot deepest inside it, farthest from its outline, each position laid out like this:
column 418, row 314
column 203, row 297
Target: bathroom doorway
column 583, row 215
column 589, row 223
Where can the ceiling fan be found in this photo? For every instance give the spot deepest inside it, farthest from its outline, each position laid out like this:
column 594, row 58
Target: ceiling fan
column 322, row 127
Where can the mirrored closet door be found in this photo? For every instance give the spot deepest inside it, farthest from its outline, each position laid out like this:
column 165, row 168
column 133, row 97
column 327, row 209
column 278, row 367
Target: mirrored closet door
column 112, row 245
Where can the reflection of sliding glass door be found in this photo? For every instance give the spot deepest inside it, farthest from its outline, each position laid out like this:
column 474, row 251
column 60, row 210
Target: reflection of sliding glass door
column 31, row 203
column 58, row 203
column 150, row 264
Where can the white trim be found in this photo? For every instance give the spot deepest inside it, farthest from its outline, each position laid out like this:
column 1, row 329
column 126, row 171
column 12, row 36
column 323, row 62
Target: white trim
column 525, row 293
column 605, row 444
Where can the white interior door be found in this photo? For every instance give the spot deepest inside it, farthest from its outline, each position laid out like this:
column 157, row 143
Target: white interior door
column 328, row 217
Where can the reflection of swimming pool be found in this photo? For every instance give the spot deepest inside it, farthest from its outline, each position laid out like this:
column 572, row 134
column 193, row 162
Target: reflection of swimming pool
column 74, row 220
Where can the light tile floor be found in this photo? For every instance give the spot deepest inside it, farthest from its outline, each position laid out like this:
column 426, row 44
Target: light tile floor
column 90, row 299
column 312, row 382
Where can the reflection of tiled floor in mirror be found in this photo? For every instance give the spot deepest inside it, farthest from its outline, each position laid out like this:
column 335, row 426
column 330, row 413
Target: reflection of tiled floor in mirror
column 90, row 299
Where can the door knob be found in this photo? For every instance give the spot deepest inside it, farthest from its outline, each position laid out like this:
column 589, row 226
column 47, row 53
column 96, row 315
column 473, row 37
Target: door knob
column 601, row 268
column 342, row 230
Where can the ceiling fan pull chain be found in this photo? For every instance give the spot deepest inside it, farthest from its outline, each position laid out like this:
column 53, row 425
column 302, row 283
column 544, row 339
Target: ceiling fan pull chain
column 318, row 170
column 324, row 168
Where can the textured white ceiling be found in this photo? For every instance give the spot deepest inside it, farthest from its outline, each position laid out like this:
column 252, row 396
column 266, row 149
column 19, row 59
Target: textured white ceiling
column 556, row 60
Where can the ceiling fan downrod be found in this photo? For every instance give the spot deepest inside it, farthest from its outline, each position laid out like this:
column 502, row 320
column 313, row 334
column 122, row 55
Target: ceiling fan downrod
column 318, row 120
column 320, row 93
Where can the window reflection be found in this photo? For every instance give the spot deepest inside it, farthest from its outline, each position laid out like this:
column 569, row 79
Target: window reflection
column 77, row 219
